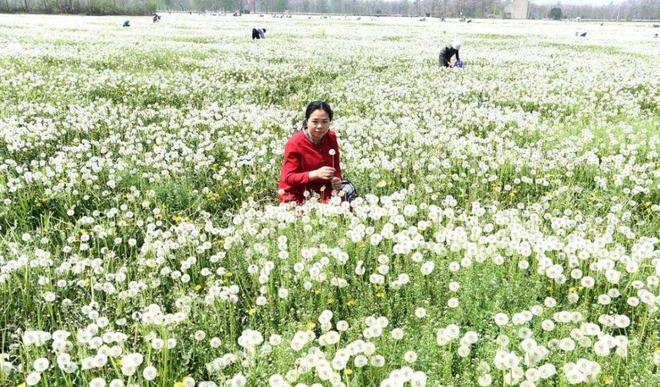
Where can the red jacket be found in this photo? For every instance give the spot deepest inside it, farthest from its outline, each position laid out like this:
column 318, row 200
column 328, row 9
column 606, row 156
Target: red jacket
column 302, row 156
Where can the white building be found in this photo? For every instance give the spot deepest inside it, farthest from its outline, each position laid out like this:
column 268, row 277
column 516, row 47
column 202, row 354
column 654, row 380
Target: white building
column 517, row 9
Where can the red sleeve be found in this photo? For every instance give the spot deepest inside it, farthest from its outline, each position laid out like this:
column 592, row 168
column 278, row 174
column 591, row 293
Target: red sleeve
column 292, row 169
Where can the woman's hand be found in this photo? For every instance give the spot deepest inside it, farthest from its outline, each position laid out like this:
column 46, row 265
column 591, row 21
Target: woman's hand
column 323, row 173
column 336, row 183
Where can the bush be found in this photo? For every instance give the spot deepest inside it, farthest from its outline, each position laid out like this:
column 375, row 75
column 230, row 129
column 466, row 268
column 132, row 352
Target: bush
column 555, row 13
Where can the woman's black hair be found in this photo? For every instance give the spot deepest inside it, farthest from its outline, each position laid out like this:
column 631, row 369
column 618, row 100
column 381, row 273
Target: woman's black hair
column 314, row 106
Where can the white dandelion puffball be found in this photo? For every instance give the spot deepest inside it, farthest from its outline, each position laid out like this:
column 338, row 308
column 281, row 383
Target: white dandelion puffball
column 149, row 373
column 501, row 319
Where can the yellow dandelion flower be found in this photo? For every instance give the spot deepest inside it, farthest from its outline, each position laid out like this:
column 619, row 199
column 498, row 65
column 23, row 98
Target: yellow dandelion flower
column 331, row 301
column 310, row 325
column 252, row 311
column 348, row 371
column 228, row 274
column 179, row 384
column 212, row 196
column 198, row 288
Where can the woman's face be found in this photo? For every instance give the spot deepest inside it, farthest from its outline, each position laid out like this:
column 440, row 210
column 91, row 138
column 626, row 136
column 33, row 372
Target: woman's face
column 318, row 124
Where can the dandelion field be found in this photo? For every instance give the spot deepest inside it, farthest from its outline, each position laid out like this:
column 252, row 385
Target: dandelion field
column 506, row 231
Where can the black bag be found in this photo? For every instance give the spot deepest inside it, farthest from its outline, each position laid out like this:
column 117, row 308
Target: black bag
column 348, row 191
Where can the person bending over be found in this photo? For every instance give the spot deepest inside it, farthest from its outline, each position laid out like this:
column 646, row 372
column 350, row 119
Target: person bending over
column 447, row 52
column 258, row 33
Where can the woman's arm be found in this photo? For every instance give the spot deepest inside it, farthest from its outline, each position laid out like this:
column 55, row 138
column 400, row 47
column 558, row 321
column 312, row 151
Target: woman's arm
column 292, row 168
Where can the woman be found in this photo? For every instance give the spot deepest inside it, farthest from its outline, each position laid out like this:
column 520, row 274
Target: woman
column 311, row 158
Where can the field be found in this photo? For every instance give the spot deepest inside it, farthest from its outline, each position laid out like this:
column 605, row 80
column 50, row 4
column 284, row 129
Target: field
column 506, row 231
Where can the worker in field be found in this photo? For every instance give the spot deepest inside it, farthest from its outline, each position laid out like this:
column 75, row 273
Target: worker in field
column 258, row 33
column 447, row 52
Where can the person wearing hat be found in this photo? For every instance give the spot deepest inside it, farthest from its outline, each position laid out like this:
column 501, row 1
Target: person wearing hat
column 447, row 52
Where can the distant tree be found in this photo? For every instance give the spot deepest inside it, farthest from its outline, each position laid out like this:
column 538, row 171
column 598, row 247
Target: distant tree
column 229, row 5
column 321, row 6
column 555, row 13
column 404, row 7
column 336, row 6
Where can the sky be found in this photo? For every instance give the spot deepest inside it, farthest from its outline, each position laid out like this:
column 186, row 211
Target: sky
column 577, row 2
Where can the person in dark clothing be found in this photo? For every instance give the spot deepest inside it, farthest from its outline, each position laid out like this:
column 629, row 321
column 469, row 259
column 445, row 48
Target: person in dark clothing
column 258, row 33
column 127, row 23
column 447, row 52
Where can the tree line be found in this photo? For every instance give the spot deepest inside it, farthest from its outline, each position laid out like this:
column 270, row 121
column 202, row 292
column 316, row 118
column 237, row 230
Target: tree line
column 628, row 10
column 88, row 7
